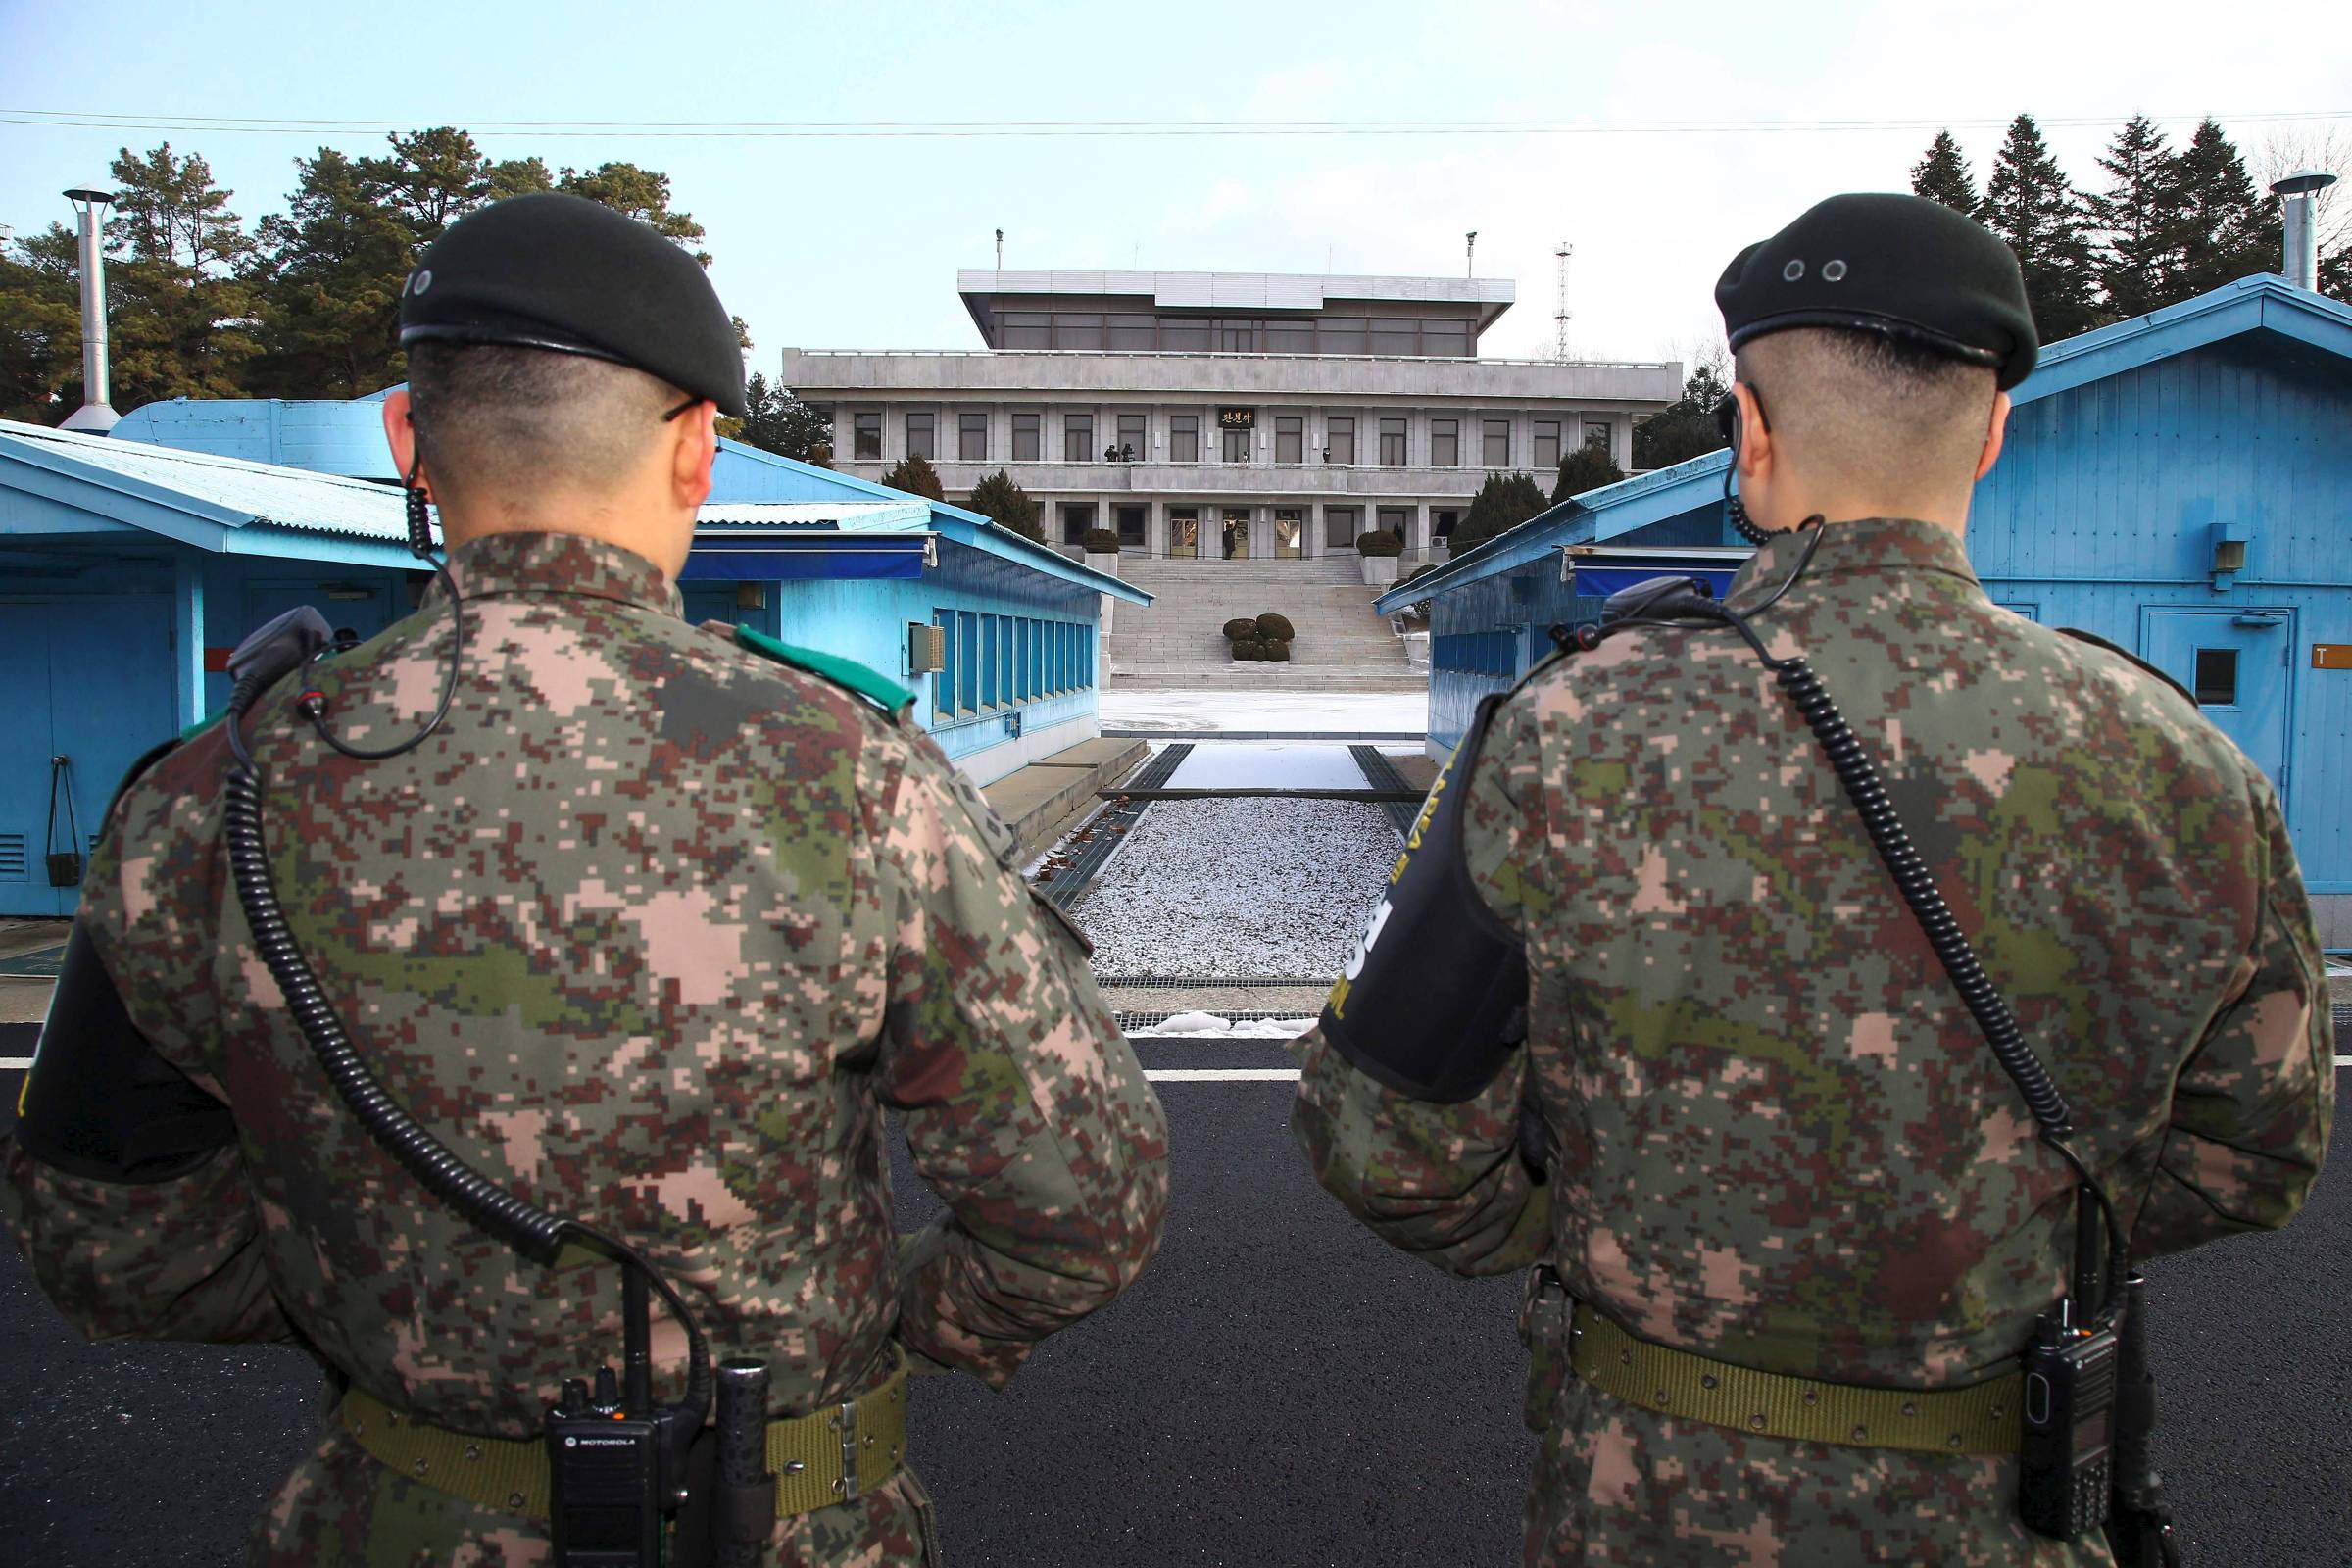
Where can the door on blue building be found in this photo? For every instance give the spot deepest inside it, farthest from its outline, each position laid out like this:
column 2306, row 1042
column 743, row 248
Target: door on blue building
column 90, row 680
column 2237, row 664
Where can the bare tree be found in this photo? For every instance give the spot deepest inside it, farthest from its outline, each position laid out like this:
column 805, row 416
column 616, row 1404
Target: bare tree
column 2291, row 152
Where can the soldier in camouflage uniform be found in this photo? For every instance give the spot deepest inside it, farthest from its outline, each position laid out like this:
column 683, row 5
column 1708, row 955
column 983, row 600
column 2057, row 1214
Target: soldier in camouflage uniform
column 1776, row 1139
column 652, row 930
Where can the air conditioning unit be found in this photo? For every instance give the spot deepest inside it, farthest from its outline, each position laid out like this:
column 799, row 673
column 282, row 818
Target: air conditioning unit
column 926, row 648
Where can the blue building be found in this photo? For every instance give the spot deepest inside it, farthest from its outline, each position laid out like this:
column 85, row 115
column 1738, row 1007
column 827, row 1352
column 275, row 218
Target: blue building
column 2180, row 484
column 129, row 569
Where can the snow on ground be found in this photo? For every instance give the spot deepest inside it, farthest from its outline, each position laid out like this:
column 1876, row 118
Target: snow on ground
column 1209, row 1026
column 1268, row 764
column 1249, row 887
column 1334, row 712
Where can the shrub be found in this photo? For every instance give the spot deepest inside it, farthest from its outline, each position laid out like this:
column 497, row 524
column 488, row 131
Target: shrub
column 1240, row 630
column 915, row 476
column 1275, row 628
column 1101, row 542
column 1587, row 467
column 1279, row 651
column 1502, row 503
column 1379, row 542
column 1249, row 649
column 1011, row 507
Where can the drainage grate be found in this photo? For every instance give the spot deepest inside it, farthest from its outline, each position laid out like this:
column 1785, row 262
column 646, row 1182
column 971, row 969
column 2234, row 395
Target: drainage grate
column 1382, row 774
column 1100, row 837
column 2344, row 1015
column 1185, row 982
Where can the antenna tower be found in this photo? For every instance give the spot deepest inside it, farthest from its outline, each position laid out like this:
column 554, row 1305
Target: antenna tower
column 1560, row 314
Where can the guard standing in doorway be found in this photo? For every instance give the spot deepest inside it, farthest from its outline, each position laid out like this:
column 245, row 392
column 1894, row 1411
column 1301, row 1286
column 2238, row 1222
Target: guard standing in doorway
column 635, row 930
column 1645, row 1006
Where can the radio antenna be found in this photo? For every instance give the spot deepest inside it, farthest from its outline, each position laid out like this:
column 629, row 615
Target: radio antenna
column 1560, row 314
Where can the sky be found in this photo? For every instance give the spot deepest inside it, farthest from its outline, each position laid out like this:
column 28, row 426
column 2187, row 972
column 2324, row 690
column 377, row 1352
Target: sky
column 852, row 241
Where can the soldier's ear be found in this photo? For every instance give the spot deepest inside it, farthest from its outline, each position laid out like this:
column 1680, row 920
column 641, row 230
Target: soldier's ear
column 692, row 448
column 1996, row 433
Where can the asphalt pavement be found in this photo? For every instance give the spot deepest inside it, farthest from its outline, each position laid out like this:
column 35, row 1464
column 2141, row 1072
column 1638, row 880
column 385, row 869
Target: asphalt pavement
column 1278, row 1389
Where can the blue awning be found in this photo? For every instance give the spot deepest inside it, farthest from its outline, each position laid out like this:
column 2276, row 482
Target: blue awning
column 1598, row 582
column 820, row 558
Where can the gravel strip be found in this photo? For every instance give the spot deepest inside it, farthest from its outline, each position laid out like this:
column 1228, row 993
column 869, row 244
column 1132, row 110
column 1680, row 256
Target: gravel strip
column 1208, row 888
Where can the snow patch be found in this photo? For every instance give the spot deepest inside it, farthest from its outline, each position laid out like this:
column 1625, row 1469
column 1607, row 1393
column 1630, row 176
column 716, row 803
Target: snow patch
column 1334, row 712
column 1234, row 765
column 1207, row 1026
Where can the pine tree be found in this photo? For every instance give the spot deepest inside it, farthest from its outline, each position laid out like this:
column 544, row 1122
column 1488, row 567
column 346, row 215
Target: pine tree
column 1942, row 175
column 1011, row 507
column 2226, row 231
column 1686, row 427
column 176, row 308
column 914, row 474
column 40, row 327
column 777, row 422
column 1503, row 502
column 2029, row 205
column 2139, row 256
column 1587, row 467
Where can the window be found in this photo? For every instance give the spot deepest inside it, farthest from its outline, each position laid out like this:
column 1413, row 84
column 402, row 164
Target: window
column 1076, row 517
column 1026, row 329
column 1080, row 331
column 1037, row 657
column 1237, row 445
column 1235, row 534
column 1496, row 451
column 1339, row 524
column 866, row 434
column 1134, row 334
column 1597, row 434
column 1392, row 336
column 1290, row 438
column 1134, row 445
column 1341, row 334
column 1022, row 688
column 1180, row 334
column 1077, row 438
column 1397, row 521
column 1445, row 443
column 971, row 437
column 1547, row 443
column 968, row 662
column 1184, row 438
column 1391, row 443
column 943, row 681
column 1025, row 438
column 991, row 672
column 1184, row 532
column 1338, row 438
column 1003, row 659
column 922, row 435
column 2217, row 677
column 1449, row 339
column 1130, row 523
column 1290, row 532
column 1289, row 336
column 1237, row 337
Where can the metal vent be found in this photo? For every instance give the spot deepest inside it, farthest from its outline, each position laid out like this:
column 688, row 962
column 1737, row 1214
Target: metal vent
column 14, row 868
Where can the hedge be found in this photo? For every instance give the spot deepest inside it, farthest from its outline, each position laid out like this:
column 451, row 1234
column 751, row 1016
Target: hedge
column 1239, row 630
column 1278, row 651
column 1379, row 542
column 1275, row 630
column 1101, row 542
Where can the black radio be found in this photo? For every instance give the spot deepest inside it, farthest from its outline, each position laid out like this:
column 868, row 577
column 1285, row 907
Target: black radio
column 2065, row 1468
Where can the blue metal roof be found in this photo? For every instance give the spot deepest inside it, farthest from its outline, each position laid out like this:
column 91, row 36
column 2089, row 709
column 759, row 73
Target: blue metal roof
column 2262, row 304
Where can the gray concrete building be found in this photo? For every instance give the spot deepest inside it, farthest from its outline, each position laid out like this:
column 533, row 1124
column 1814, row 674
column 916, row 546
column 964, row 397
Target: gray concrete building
column 1227, row 415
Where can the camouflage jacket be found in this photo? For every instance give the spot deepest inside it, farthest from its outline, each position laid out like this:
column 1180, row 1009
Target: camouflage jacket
column 1778, row 1138
column 650, row 931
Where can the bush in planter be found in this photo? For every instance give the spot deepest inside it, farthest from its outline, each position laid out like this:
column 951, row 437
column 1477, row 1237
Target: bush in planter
column 1249, row 649
column 1275, row 630
column 1379, row 542
column 1101, row 542
column 1237, row 630
column 1277, row 650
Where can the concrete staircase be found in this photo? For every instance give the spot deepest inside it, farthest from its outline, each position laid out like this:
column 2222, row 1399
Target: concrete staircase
column 1179, row 644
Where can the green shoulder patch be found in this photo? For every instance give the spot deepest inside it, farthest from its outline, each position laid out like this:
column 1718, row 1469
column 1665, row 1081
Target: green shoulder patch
column 881, row 691
column 2096, row 641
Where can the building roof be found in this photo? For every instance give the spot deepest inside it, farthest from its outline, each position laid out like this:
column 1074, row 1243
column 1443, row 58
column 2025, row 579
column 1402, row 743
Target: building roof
column 222, row 505
column 1237, row 291
column 2295, row 321
column 825, row 516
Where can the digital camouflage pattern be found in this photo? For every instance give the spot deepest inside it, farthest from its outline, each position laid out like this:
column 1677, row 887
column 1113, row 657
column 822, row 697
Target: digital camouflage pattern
column 650, row 931
column 1777, row 1137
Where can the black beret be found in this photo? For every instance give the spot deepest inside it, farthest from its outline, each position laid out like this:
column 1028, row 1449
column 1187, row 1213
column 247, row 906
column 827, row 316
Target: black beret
column 566, row 273
column 1880, row 263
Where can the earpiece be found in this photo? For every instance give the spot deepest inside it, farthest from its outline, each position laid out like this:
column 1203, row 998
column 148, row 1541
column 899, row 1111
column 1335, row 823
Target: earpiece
column 1727, row 421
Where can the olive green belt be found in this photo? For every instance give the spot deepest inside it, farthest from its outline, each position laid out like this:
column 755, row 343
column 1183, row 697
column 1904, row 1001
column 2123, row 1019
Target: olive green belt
column 815, row 1458
column 1979, row 1418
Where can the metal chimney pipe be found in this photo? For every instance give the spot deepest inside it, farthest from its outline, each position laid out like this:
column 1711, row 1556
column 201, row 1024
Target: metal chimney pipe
column 96, row 416
column 2299, row 217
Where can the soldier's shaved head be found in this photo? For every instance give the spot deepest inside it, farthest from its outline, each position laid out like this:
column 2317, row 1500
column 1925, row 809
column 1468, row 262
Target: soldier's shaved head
column 494, row 418
column 1868, row 412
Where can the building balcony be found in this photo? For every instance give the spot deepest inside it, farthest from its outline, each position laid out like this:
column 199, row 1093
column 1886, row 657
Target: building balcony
column 822, row 375
column 1178, row 481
